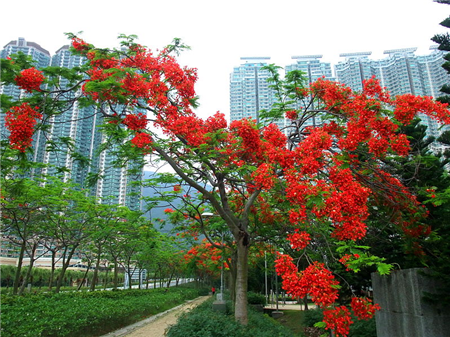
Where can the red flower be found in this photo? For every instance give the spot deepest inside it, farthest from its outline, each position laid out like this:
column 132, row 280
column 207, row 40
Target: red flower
column 30, row 79
column 363, row 308
column 143, row 141
column 292, row 114
column 80, row 45
column 339, row 320
column 20, row 121
column 299, row 240
column 135, row 122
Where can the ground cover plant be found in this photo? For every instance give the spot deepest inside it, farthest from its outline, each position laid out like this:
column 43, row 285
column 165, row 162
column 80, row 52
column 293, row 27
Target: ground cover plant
column 83, row 314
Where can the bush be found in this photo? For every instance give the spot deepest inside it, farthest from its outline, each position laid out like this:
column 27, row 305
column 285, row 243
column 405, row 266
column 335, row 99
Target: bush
column 83, row 314
column 204, row 291
column 202, row 321
column 363, row 328
column 311, row 317
column 254, row 298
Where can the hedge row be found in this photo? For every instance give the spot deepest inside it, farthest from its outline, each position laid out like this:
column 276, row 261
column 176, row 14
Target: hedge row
column 84, row 314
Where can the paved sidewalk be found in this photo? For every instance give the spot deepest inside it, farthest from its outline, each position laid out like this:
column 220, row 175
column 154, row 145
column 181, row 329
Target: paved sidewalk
column 156, row 326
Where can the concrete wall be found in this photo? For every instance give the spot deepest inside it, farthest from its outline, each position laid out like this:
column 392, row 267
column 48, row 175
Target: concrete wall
column 403, row 311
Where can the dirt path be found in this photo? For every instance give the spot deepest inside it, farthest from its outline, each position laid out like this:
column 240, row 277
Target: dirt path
column 155, row 326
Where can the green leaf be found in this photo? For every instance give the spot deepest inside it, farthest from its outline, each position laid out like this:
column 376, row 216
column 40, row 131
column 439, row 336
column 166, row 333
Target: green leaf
column 384, row 268
column 322, row 325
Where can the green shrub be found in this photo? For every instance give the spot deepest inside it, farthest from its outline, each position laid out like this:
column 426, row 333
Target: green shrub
column 82, row 314
column 363, row 328
column 204, row 291
column 311, row 317
column 254, row 298
column 202, row 321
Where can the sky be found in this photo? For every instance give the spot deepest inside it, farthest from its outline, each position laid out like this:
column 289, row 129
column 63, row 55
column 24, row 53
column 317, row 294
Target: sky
column 221, row 32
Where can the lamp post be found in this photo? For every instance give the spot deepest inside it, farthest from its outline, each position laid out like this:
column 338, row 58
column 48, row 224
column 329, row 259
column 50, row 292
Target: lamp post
column 265, row 276
column 221, row 273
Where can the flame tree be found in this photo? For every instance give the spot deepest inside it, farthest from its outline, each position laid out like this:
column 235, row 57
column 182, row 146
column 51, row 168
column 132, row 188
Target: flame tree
column 321, row 177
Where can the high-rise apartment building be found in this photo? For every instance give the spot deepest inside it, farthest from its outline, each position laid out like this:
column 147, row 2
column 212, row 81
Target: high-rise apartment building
column 401, row 72
column 312, row 67
column 249, row 89
column 40, row 55
column 354, row 70
column 81, row 125
column 37, row 53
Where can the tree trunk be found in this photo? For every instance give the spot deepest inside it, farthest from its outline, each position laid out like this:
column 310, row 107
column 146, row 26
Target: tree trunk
column 106, row 278
column 64, row 268
column 97, row 267
column 84, row 276
column 19, row 268
column 52, row 271
column 170, row 278
column 232, row 279
column 240, row 309
column 116, row 275
column 30, row 269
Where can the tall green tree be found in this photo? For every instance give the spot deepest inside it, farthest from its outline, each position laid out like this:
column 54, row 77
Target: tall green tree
column 444, row 44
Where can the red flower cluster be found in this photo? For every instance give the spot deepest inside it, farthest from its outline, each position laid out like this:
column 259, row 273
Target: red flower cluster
column 363, row 308
column 80, row 45
column 251, row 140
column 216, row 122
column 315, row 280
column 299, row 240
column 143, row 141
column 263, row 177
column 30, row 79
column 135, row 122
column 292, row 114
column 20, row 121
column 407, row 106
column 339, row 320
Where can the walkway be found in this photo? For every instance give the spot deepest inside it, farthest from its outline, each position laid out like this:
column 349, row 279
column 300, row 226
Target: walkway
column 156, row 326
